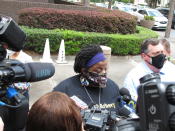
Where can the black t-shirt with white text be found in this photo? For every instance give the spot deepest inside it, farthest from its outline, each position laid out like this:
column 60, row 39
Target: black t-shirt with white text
column 108, row 96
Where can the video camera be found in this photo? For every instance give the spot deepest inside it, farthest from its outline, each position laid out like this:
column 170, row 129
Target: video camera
column 98, row 119
column 14, row 106
column 155, row 106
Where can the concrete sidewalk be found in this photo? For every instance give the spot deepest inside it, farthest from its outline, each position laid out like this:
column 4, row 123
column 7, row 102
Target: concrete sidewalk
column 118, row 68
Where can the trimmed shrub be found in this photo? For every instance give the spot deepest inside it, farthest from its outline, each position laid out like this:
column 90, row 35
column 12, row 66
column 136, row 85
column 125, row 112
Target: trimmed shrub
column 148, row 18
column 102, row 20
column 120, row 44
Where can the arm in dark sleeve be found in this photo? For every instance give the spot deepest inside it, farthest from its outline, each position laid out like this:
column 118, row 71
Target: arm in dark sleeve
column 61, row 87
column 115, row 89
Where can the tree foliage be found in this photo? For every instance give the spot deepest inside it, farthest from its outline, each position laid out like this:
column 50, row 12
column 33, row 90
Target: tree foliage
column 98, row 1
column 153, row 3
column 126, row 1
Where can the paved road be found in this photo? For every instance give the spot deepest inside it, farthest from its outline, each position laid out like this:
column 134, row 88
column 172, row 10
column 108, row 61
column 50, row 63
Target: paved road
column 118, row 68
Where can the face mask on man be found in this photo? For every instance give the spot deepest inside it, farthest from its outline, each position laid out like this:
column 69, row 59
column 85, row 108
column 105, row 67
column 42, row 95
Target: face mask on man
column 158, row 61
column 94, row 79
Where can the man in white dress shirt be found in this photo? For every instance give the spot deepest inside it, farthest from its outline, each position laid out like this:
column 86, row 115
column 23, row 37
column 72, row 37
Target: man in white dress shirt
column 153, row 55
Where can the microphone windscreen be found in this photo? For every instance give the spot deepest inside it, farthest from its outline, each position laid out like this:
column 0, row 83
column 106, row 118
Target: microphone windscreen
column 37, row 71
column 124, row 91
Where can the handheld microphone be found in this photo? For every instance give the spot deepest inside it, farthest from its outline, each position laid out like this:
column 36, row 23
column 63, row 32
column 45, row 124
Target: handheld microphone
column 126, row 97
column 127, row 105
column 127, row 112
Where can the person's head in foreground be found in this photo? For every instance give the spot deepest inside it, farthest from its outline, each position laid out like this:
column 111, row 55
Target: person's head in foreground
column 91, row 64
column 54, row 111
column 153, row 53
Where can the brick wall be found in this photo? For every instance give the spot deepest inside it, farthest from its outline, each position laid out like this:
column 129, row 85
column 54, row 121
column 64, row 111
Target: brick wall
column 11, row 7
column 42, row 1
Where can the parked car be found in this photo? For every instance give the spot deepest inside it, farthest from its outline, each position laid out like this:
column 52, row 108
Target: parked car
column 160, row 20
column 124, row 8
column 165, row 12
column 101, row 5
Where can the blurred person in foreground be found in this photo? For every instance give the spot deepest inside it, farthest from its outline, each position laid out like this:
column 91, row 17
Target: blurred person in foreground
column 54, row 111
column 154, row 55
column 167, row 47
column 23, row 87
column 91, row 87
column 168, row 51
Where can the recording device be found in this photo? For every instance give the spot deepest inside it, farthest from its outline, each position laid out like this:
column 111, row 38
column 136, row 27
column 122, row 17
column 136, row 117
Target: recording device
column 11, row 34
column 104, row 120
column 98, row 119
column 14, row 106
column 14, row 71
column 156, row 104
column 127, row 105
column 128, row 124
column 126, row 96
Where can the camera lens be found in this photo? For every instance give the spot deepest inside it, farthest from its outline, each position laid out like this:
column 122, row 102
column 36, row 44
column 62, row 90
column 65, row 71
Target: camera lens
column 153, row 77
column 127, row 125
column 172, row 122
column 170, row 94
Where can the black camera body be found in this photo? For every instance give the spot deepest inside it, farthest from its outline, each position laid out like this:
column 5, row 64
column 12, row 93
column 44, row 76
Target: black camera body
column 13, row 105
column 98, row 119
column 14, row 102
column 11, row 34
column 156, row 104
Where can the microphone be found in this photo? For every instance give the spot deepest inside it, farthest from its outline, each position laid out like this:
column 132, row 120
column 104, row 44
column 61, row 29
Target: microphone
column 15, row 71
column 36, row 71
column 127, row 112
column 126, row 97
column 127, row 105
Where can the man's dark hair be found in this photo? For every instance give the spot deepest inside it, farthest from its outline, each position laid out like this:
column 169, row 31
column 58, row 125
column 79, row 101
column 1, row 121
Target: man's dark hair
column 146, row 43
column 84, row 56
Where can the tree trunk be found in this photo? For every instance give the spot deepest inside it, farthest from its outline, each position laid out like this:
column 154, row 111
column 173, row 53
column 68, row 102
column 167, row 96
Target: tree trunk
column 86, row 2
column 110, row 4
column 170, row 18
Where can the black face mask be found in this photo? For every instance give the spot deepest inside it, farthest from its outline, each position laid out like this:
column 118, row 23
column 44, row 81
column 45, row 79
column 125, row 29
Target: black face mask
column 94, row 79
column 158, row 61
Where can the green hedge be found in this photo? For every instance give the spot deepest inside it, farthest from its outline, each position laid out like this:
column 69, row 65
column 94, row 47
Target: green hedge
column 120, row 44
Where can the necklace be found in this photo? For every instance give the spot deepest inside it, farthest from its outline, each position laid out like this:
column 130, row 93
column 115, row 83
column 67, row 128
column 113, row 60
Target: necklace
column 99, row 96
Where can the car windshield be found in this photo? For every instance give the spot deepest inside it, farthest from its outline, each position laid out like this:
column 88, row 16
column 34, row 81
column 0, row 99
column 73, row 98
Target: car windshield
column 126, row 9
column 154, row 13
